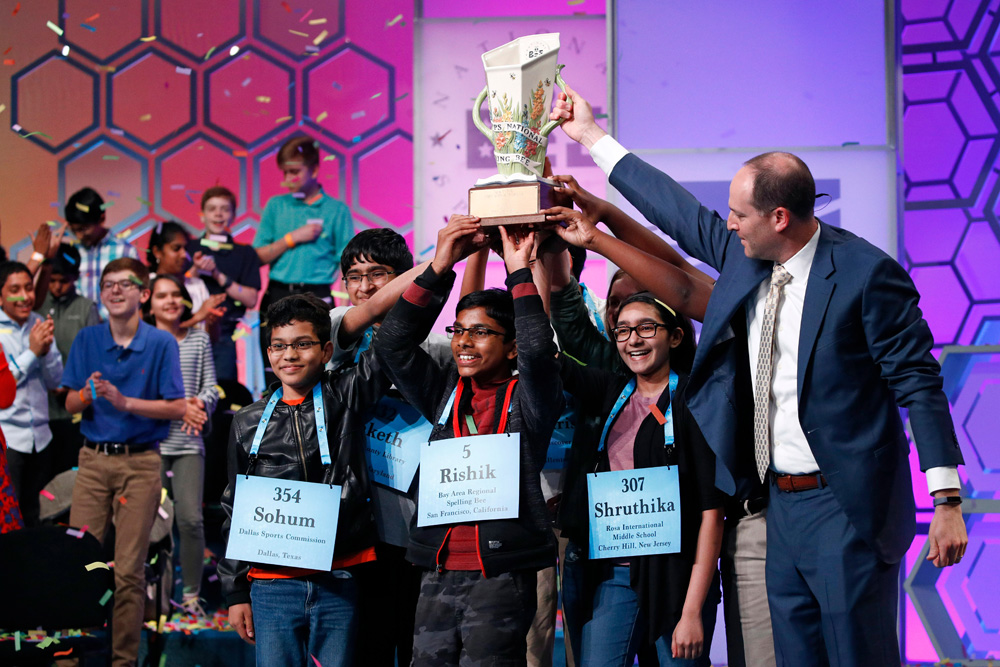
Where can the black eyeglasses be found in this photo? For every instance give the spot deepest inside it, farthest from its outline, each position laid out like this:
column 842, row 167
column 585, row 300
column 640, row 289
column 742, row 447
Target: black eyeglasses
column 478, row 334
column 644, row 330
column 300, row 345
column 377, row 278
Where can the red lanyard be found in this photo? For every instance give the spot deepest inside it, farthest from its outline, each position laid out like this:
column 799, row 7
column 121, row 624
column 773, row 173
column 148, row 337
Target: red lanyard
column 506, row 407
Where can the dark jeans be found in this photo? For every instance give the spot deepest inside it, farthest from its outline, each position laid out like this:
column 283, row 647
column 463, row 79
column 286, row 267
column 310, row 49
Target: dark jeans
column 466, row 619
column 275, row 291
column 29, row 473
column 387, row 602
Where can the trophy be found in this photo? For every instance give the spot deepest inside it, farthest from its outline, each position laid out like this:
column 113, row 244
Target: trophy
column 519, row 80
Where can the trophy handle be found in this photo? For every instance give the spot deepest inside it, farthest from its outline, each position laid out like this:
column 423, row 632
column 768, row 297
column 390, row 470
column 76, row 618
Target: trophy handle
column 553, row 124
column 475, row 114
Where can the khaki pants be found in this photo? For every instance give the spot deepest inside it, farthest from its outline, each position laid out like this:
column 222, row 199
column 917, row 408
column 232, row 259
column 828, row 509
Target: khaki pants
column 125, row 487
column 542, row 635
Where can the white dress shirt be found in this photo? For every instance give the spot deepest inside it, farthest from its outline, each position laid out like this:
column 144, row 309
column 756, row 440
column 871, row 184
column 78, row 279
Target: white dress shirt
column 790, row 452
column 26, row 421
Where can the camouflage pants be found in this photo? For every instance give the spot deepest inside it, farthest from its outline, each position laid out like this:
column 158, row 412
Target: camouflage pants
column 466, row 619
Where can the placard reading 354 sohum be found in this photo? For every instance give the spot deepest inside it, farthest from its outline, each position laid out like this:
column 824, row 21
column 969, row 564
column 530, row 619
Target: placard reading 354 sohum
column 284, row 522
column 634, row 512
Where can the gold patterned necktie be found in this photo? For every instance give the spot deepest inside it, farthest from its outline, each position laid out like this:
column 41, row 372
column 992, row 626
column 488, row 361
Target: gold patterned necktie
column 765, row 360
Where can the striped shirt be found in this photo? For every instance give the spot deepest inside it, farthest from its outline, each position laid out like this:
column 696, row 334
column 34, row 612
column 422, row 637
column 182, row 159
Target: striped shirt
column 92, row 263
column 198, row 371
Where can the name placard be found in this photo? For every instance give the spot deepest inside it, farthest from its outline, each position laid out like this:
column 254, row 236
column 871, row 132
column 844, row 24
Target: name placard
column 394, row 434
column 284, row 522
column 476, row 478
column 562, row 439
column 634, row 512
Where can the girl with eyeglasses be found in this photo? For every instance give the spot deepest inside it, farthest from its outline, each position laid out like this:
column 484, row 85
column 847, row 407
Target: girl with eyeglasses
column 183, row 451
column 667, row 599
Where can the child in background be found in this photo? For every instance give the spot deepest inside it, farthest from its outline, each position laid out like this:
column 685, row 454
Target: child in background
column 183, row 450
column 70, row 312
column 302, row 234
column 234, row 269
column 85, row 214
column 37, row 368
column 167, row 254
column 477, row 596
column 291, row 613
column 125, row 376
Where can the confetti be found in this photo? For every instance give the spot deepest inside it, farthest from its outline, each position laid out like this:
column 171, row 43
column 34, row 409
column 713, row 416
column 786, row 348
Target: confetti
column 97, row 565
column 17, row 633
column 317, row 21
column 209, row 54
column 66, row 652
column 93, row 18
column 329, row 158
column 240, row 153
column 65, row 50
column 246, row 82
column 186, row 71
column 300, row 34
column 144, row 202
column 288, row 7
column 104, row 598
column 54, row 28
column 315, row 660
column 2, row 107
column 151, row 38
column 305, row 16
column 88, row 27
column 574, row 2
column 163, row 513
column 340, row 295
column 17, row 8
column 320, row 118
column 214, row 577
column 16, row 299
column 234, row 50
column 31, row 134
column 143, row 118
column 394, row 21
column 264, row 99
column 222, row 392
column 358, row 114
column 109, row 157
column 320, row 37
column 106, row 205
column 47, row 642
column 8, row 61
column 235, row 408
column 72, row 532
column 82, row 207
column 375, row 95
column 122, row 500
column 117, row 132
column 43, row 493
column 427, row 249
column 282, row 119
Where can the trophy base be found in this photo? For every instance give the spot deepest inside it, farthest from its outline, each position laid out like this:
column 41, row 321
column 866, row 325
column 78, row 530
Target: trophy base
column 511, row 204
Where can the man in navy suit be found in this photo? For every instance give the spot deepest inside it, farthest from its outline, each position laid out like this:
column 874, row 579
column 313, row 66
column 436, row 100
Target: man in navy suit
column 827, row 329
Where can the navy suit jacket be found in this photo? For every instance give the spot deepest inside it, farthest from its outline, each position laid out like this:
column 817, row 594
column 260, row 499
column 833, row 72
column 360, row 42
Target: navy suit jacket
column 864, row 351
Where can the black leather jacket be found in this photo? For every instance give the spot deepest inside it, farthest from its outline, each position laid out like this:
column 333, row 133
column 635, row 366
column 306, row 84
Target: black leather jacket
column 290, row 450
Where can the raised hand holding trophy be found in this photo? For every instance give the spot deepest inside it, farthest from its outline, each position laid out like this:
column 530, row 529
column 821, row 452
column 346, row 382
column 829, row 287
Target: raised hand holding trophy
column 519, row 79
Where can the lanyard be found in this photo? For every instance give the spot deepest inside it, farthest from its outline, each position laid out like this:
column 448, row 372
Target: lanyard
column 457, row 392
column 319, row 414
column 364, row 343
column 668, row 424
column 588, row 300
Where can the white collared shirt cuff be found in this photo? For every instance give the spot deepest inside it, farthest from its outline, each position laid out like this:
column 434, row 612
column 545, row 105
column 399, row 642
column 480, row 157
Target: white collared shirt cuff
column 943, row 477
column 606, row 153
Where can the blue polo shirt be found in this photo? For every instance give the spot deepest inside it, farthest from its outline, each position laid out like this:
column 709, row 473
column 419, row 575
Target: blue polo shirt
column 310, row 263
column 149, row 368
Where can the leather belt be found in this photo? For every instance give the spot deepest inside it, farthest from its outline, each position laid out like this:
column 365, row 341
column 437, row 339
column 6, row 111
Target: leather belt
column 113, row 448
column 796, row 483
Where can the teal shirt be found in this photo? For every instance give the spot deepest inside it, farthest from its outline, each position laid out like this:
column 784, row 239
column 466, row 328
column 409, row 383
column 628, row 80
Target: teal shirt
column 311, row 263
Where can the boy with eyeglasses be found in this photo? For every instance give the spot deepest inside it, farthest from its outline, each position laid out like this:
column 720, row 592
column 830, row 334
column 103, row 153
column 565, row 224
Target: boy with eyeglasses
column 125, row 377
column 477, row 596
column 291, row 613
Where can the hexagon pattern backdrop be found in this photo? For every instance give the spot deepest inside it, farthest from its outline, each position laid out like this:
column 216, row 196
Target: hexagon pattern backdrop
column 152, row 101
column 950, row 242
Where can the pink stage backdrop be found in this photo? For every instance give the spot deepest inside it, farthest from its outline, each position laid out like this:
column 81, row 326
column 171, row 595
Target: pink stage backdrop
column 156, row 100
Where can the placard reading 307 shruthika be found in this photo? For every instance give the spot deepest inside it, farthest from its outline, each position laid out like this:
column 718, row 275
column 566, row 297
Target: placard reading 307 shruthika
column 284, row 522
column 634, row 512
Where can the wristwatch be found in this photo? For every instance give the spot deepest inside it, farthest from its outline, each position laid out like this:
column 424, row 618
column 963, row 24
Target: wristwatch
column 948, row 500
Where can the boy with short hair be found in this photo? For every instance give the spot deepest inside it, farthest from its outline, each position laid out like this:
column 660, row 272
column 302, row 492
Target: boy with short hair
column 70, row 312
column 477, row 596
column 303, row 233
column 125, row 377
column 27, row 340
column 85, row 214
column 234, row 269
column 268, row 603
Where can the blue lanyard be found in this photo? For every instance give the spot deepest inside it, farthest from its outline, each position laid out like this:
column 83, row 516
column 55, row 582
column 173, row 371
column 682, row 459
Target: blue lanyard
column 668, row 416
column 364, row 343
column 588, row 300
column 319, row 414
